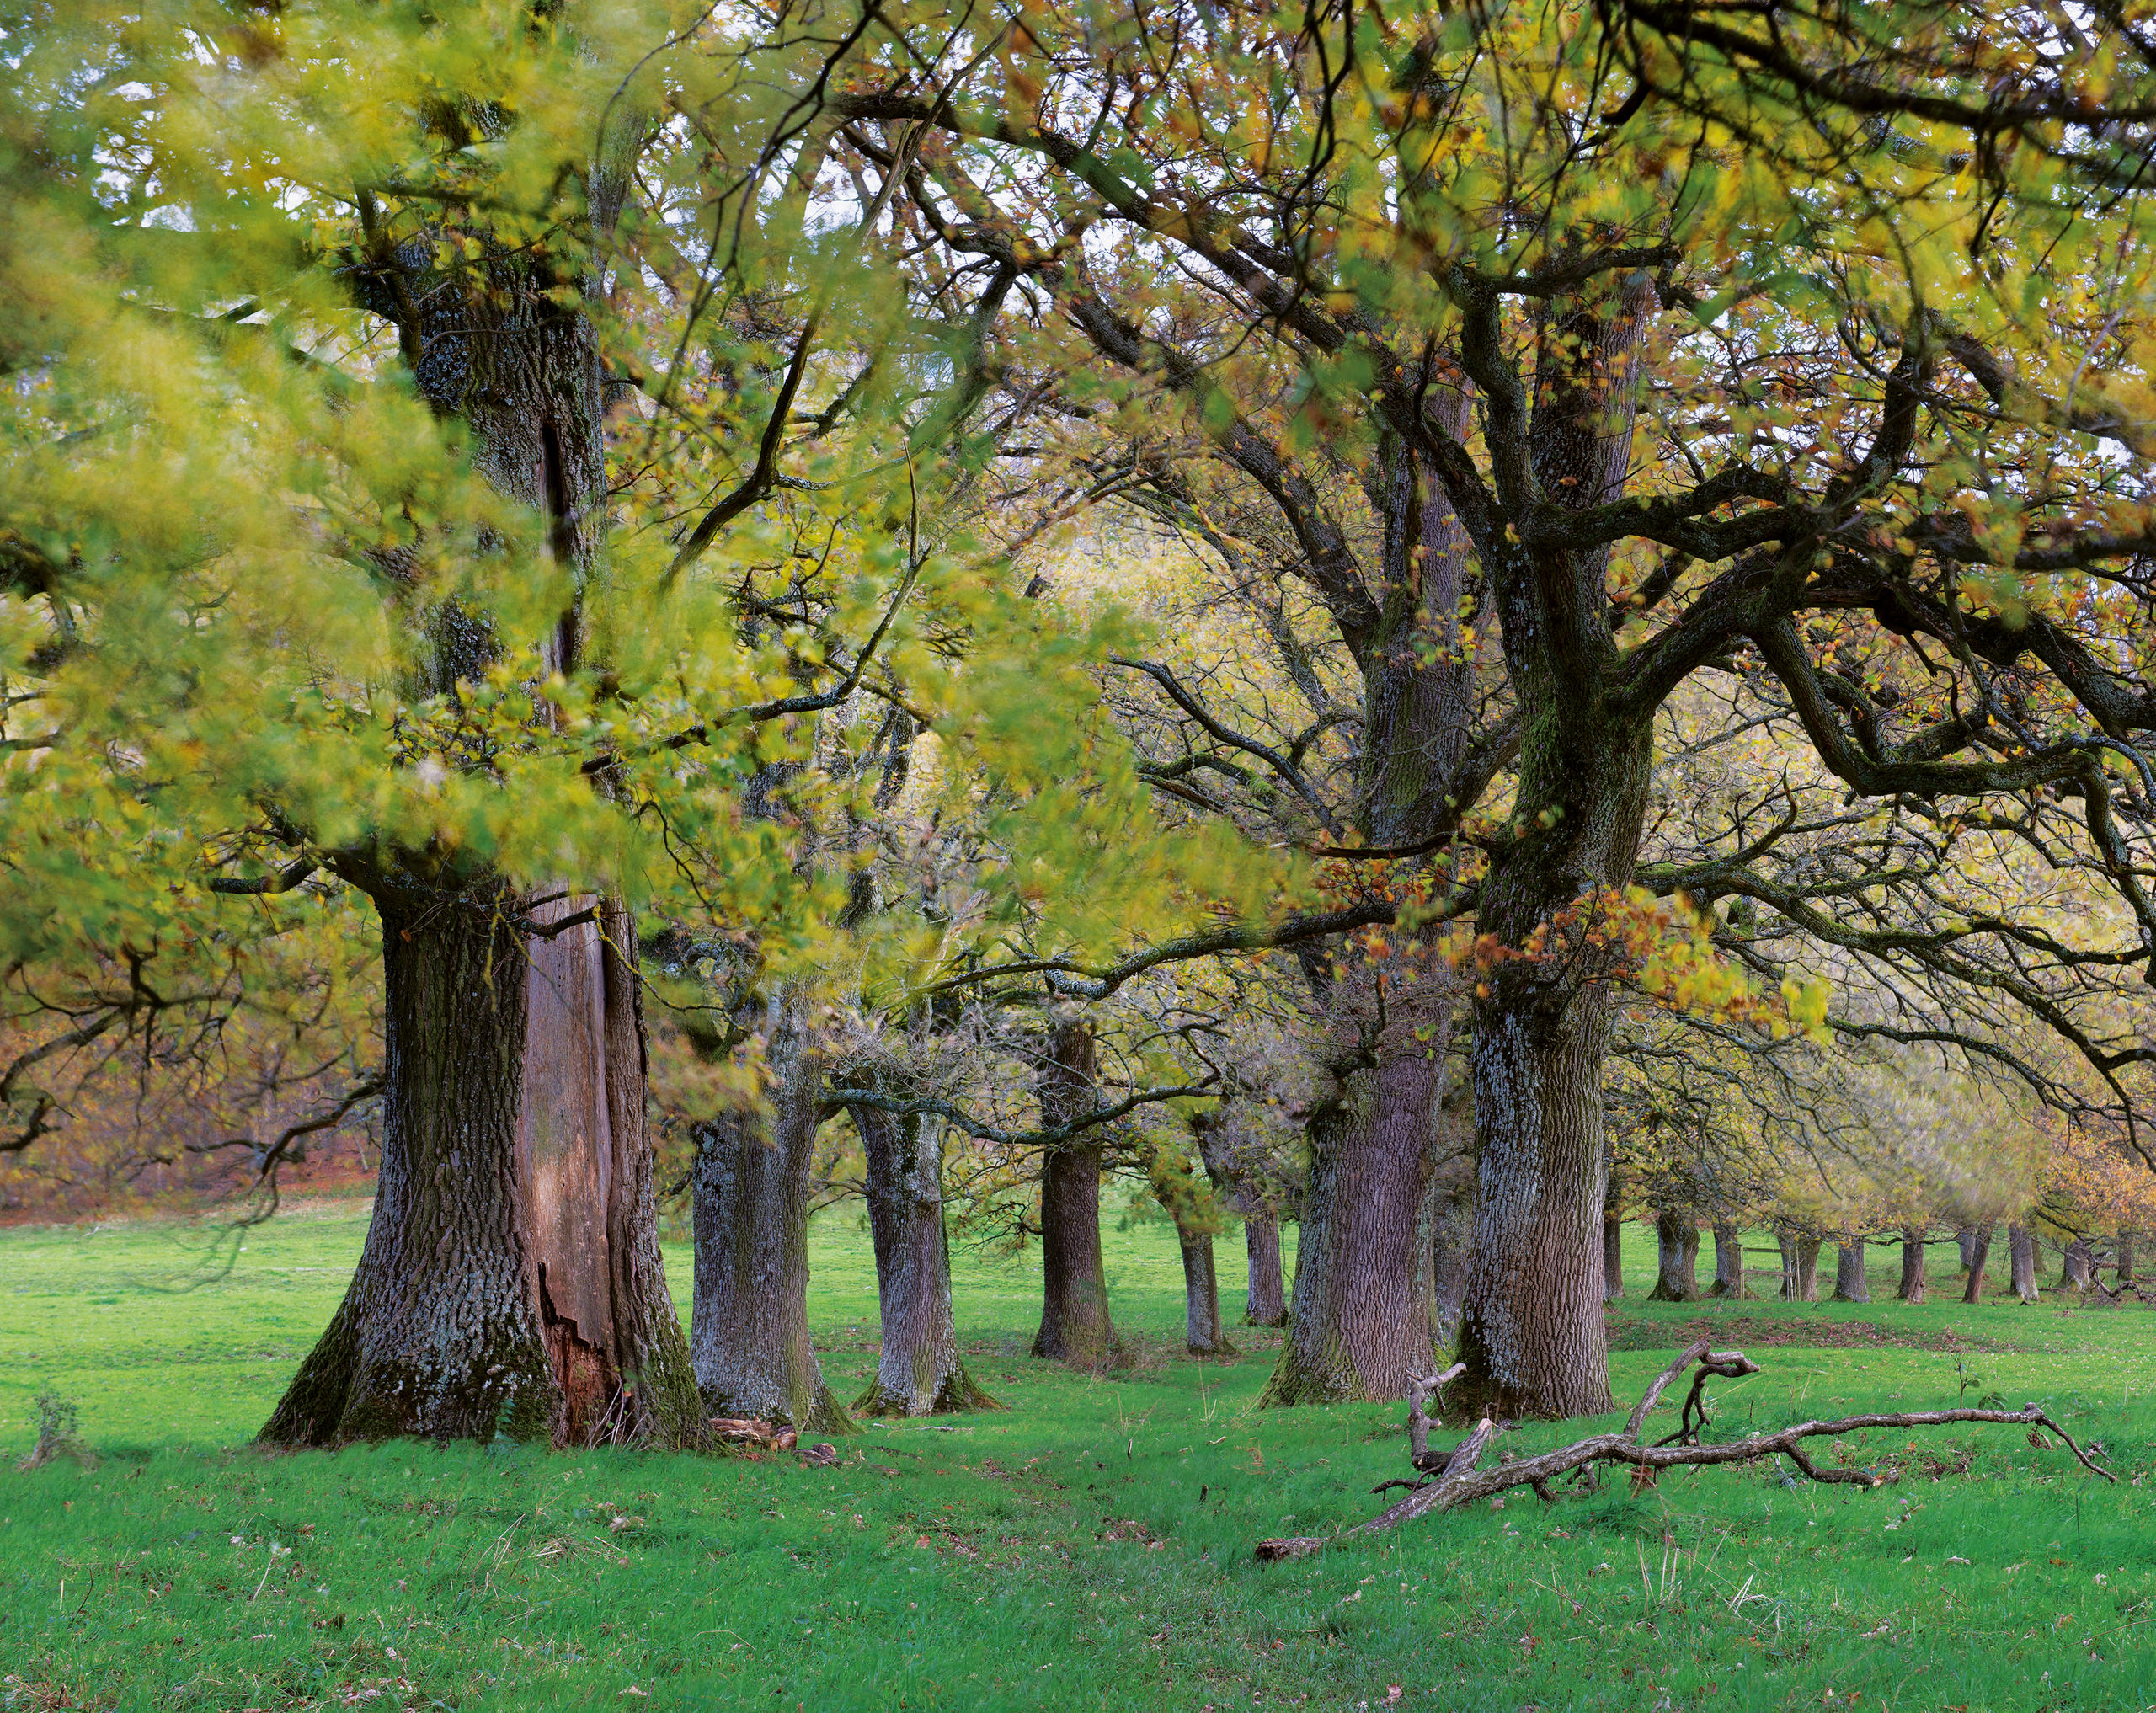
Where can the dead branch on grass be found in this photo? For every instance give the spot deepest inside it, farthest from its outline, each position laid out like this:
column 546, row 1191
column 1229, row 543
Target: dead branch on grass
column 1456, row 1481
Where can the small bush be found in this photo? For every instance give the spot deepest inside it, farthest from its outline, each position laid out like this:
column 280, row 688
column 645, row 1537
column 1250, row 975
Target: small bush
column 58, row 1435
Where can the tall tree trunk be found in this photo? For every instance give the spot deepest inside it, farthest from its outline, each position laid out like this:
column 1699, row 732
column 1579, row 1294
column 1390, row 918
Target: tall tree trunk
column 439, row 1332
column 2021, row 1253
column 919, row 1371
column 1533, row 1337
column 1613, row 1256
column 1676, row 1255
column 749, row 1331
column 1911, row 1288
column 1075, row 1324
column 1203, row 1332
column 1978, row 1251
column 2076, row 1266
column 1850, row 1284
column 1729, row 1261
column 513, row 356
column 1265, row 1295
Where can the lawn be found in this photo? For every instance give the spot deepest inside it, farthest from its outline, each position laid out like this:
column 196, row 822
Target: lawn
column 1090, row 1548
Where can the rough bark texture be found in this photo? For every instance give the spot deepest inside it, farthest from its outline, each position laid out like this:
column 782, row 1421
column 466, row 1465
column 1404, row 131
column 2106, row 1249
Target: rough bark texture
column 2076, row 1266
column 439, row 1332
column 1979, row 1249
column 1452, row 1226
column 2021, row 1252
column 1850, row 1285
column 1677, row 1256
column 1265, row 1295
column 1074, row 1323
column 1203, row 1333
column 1533, row 1337
column 1911, row 1288
column 1800, row 1263
column 1612, row 1256
column 748, row 1332
column 1729, row 1262
column 919, row 1371
column 1965, row 1241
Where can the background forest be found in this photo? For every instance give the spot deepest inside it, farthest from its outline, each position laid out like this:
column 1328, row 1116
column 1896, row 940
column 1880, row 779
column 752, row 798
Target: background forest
column 935, row 638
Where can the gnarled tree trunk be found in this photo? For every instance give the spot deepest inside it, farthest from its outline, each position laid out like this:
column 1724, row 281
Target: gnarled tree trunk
column 1911, row 1288
column 1677, row 1257
column 2076, row 1266
column 1075, row 1324
column 919, row 1371
column 749, row 1328
column 1850, row 1285
column 1729, row 1262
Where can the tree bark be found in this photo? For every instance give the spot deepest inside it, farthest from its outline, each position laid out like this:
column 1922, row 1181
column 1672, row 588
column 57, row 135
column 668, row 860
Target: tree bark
column 1075, row 1324
column 1203, row 1332
column 1612, row 1256
column 1265, row 1297
column 1804, row 1276
column 1729, row 1261
column 1451, row 1226
column 2076, row 1266
column 1850, row 1284
column 1978, row 1251
column 749, row 1331
column 2125, row 1273
column 919, row 1371
column 440, row 1334
column 1965, row 1241
column 2022, row 1252
column 1676, row 1254
column 1911, row 1288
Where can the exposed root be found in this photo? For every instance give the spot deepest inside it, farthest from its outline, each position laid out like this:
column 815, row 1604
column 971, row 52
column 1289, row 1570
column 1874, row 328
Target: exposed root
column 1458, row 1481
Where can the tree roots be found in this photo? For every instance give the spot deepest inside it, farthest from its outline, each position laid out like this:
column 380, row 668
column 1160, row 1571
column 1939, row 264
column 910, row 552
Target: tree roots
column 1451, row 1479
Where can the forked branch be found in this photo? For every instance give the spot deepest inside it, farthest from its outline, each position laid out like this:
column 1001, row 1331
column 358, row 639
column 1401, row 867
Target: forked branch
column 1456, row 1481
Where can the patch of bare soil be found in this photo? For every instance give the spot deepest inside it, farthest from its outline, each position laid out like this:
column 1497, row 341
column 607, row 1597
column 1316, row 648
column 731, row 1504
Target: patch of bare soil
column 1826, row 1332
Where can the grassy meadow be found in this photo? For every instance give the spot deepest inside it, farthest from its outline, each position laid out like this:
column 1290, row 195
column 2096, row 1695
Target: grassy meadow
column 1090, row 1548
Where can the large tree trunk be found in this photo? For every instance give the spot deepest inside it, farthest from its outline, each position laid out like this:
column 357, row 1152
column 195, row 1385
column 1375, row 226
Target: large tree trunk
column 748, row 1332
column 919, row 1371
column 1800, row 1269
column 1850, row 1284
column 1203, row 1333
column 1979, row 1249
column 1911, row 1288
column 1965, row 1241
column 2021, row 1261
column 440, row 1334
column 1676, row 1256
column 1075, row 1324
column 1265, row 1293
column 1533, row 1337
column 2076, row 1266
column 1729, row 1261
column 548, row 1029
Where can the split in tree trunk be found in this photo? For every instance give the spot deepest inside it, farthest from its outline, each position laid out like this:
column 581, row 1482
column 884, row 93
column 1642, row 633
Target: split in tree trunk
column 1075, row 1324
column 1978, row 1251
column 1453, row 1480
column 1729, row 1261
column 748, row 1332
column 919, row 1371
column 1265, row 1298
column 1786, row 1242
column 1911, row 1288
column 1677, row 1255
column 1850, row 1285
column 1613, row 1256
column 2021, row 1261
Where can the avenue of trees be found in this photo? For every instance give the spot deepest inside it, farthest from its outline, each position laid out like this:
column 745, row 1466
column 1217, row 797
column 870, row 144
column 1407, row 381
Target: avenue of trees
column 1444, row 623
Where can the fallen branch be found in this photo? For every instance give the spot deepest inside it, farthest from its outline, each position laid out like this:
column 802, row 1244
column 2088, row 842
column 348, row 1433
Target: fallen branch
column 1458, row 1481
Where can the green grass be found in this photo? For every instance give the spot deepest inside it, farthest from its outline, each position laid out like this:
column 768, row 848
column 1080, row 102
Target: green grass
column 1090, row 1548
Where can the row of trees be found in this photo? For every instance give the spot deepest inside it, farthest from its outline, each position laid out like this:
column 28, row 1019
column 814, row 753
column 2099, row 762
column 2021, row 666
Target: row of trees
column 1023, row 567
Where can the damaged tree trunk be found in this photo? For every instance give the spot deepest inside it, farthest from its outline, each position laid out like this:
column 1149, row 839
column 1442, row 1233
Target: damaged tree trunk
column 1075, row 1324
column 749, row 1329
column 919, row 1371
